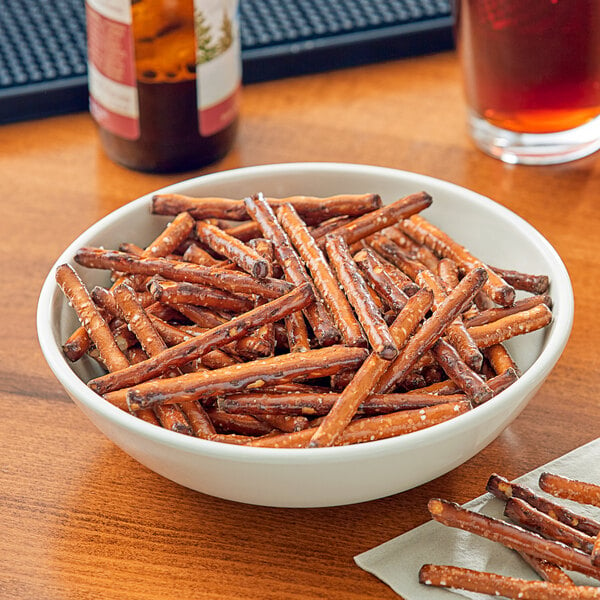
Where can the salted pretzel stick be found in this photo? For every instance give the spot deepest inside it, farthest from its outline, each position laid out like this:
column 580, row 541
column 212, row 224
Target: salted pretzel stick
column 596, row 551
column 199, row 256
column 267, row 371
column 357, row 292
column 200, row 422
column 244, row 231
column 503, row 488
column 503, row 329
column 381, row 281
column 501, row 585
column 132, row 312
column 316, row 313
column 313, row 404
column 523, row 514
column 232, row 281
column 379, row 219
column 396, row 255
column 312, row 209
column 322, row 229
column 511, row 536
column 183, row 292
column 235, row 250
column 192, row 349
column 536, row 284
column 96, row 327
column 421, row 253
column 369, row 429
column 456, row 332
column 493, row 314
column 367, row 376
column 285, row 423
column 442, row 244
column 474, row 387
column 322, row 276
column 547, row 570
column 500, row 359
column 570, row 489
column 433, row 328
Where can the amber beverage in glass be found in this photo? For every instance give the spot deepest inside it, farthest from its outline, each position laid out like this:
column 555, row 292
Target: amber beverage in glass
column 531, row 71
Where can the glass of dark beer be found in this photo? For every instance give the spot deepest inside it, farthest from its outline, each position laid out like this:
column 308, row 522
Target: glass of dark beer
column 532, row 77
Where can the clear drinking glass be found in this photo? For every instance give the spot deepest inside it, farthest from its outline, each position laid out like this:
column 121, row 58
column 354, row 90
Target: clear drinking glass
column 531, row 73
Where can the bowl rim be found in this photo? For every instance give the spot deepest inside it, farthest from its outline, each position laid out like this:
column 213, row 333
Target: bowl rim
column 554, row 345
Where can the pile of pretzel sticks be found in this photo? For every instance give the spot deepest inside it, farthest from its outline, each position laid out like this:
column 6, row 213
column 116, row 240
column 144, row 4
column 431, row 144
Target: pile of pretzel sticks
column 549, row 536
column 299, row 322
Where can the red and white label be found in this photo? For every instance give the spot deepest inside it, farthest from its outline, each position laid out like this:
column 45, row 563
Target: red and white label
column 111, row 67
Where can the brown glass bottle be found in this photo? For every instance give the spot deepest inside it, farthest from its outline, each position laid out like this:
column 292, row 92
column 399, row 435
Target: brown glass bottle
column 165, row 133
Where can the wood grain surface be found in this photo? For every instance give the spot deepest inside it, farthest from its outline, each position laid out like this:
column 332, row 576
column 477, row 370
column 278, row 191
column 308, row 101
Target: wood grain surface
column 79, row 519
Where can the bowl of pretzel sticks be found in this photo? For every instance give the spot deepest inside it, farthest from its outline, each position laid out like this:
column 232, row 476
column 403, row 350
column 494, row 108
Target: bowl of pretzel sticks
column 309, row 334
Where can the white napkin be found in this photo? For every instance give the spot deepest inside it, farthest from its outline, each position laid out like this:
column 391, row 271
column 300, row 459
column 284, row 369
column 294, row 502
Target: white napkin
column 398, row 561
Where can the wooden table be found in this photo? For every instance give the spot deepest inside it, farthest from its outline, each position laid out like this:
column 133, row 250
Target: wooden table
column 79, row 519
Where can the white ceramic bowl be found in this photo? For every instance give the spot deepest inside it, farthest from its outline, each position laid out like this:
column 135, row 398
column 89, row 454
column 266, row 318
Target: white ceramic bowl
column 320, row 476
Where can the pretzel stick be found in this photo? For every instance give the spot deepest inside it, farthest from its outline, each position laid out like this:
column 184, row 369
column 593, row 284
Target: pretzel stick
column 370, row 429
column 456, row 332
column 547, row 570
column 421, row 253
column 536, row 284
column 297, row 333
column 182, row 292
column 503, row 329
column 316, row 313
column 314, row 404
column 285, row 423
column 503, row 488
column 511, row 536
column 374, row 221
column 396, row 255
column 570, row 489
column 244, row 231
column 267, row 371
column 526, row 516
column 596, row 551
column 132, row 312
column 236, row 282
column 239, row 424
column 357, row 292
column 235, row 250
column 500, row 359
column 322, row 229
column 441, row 243
column 200, row 422
column 194, row 348
column 381, row 281
column 493, row 314
column 371, row 370
column 501, row 585
column 322, row 276
column 96, row 327
column 474, row 387
column 433, row 328
column 199, row 256
column 312, row 209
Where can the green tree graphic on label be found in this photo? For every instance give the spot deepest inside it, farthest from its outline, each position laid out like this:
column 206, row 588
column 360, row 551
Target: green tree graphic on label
column 206, row 47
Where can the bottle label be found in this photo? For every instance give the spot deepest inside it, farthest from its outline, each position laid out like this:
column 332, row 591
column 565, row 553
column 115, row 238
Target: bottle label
column 218, row 63
column 111, row 67
column 112, row 79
